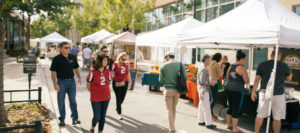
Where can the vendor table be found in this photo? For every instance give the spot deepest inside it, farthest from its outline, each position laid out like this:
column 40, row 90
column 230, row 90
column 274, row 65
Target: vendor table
column 192, row 91
column 151, row 79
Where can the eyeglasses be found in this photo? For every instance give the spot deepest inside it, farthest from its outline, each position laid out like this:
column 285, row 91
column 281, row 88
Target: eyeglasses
column 67, row 47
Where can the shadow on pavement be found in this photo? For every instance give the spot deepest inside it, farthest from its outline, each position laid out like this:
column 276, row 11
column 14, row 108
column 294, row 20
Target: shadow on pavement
column 82, row 129
column 71, row 129
column 134, row 126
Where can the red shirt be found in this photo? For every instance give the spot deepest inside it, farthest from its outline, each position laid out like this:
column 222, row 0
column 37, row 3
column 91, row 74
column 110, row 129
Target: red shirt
column 121, row 72
column 99, row 85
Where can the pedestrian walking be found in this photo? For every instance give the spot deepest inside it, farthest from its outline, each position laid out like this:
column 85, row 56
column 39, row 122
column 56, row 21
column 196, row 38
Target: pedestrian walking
column 98, row 86
column 237, row 77
column 169, row 77
column 121, row 80
column 62, row 76
column 75, row 51
column 263, row 74
column 215, row 70
column 87, row 57
column 104, row 51
column 204, row 112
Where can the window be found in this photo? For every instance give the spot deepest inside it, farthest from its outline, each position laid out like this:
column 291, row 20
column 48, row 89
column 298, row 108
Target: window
column 223, row 1
column 297, row 9
column 259, row 55
column 200, row 15
column 176, row 8
column 200, row 4
column 188, row 5
column 211, row 3
column 226, row 8
column 211, row 13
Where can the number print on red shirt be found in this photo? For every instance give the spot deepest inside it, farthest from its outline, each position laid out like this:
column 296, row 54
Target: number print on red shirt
column 123, row 70
column 102, row 79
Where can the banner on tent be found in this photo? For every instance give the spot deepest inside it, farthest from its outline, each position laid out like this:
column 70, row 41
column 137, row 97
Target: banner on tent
column 292, row 58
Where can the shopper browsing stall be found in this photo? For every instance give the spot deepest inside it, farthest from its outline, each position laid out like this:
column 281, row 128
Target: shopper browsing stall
column 204, row 112
column 237, row 77
column 215, row 70
column 263, row 74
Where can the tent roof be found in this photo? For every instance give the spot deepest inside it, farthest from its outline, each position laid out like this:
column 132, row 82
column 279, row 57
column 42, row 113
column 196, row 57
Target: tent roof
column 167, row 36
column 125, row 38
column 35, row 40
column 55, row 38
column 262, row 23
column 97, row 37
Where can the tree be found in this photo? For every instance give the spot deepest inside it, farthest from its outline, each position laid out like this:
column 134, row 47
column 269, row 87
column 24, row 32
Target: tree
column 86, row 20
column 112, row 15
column 30, row 7
column 44, row 25
column 126, row 14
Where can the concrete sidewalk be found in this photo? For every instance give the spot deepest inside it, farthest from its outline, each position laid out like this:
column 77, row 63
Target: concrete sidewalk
column 144, row 111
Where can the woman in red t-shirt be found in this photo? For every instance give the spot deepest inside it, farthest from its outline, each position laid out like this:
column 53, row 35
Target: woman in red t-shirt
column 98, row 85
column 121, row 80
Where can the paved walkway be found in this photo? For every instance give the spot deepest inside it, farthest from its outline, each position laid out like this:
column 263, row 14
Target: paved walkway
column 144, row 111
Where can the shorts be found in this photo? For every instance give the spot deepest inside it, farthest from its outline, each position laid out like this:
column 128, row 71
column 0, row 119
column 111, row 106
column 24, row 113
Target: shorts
column 86, row 61
column 278, row 106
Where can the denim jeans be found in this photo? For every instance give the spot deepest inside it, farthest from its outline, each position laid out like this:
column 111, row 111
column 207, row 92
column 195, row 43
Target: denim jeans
column 99, row 110
column 67, row 87
column 214, row 94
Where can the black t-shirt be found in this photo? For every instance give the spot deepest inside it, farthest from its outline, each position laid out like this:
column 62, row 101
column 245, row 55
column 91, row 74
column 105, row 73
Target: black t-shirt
column 264, row 71
column 64, row 66
column 227, row 65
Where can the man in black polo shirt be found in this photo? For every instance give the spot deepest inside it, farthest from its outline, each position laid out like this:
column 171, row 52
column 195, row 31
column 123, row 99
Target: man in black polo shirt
column 263, row 74
column 62, row 69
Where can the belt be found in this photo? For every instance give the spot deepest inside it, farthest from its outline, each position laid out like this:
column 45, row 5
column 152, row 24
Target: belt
column 65, row 78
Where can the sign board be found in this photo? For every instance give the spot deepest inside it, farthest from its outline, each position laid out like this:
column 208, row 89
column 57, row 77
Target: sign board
column 29, row 65
column 292, row 58
column 133, row 74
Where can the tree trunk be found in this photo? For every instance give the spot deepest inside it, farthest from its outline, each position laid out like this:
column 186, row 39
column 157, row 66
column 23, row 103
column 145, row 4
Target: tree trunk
column 28, row 32
column 2, row 35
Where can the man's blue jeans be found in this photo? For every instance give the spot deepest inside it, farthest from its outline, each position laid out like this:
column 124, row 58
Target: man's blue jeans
column 99, row 110
column 67, row 87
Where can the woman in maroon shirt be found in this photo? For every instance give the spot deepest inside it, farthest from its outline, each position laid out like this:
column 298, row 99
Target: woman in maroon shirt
column 121, row 80
column 98, row 85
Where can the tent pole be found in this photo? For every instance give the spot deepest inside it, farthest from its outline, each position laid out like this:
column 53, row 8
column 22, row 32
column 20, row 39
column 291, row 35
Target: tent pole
column 250, row 64
column 272, row 87
column 135, row 54
column 196, row 55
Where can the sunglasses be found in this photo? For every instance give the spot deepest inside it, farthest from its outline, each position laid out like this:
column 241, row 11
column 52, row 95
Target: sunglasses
column 67, row 47
column 124, row 59
column 105, row 51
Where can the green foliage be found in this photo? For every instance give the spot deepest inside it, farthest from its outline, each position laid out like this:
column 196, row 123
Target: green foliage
column 19, row 119
column 16, row 106
column 112, row 15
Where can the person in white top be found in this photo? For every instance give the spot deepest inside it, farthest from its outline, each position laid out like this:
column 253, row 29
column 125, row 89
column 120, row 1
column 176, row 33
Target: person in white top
column 87, row 60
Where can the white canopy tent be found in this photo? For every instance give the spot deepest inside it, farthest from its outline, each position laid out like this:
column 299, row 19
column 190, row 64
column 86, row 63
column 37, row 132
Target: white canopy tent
column 125, row 38
column 168, row 37
column 256, row 23
column 54, row 38
column 259, row 22
column 97, row 37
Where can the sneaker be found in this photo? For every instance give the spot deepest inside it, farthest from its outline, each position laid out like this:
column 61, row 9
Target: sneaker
column 201, row 124
column 211, row 126
column 120, row 118
column 76, row 122
column 62, row 123
column 92, row 130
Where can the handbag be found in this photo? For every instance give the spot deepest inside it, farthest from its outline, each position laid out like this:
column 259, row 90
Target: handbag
column 181, row 86
column 120, row 84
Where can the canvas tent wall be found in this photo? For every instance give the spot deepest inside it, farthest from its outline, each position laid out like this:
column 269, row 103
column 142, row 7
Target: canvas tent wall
column 167, row 37
column 97, row 37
